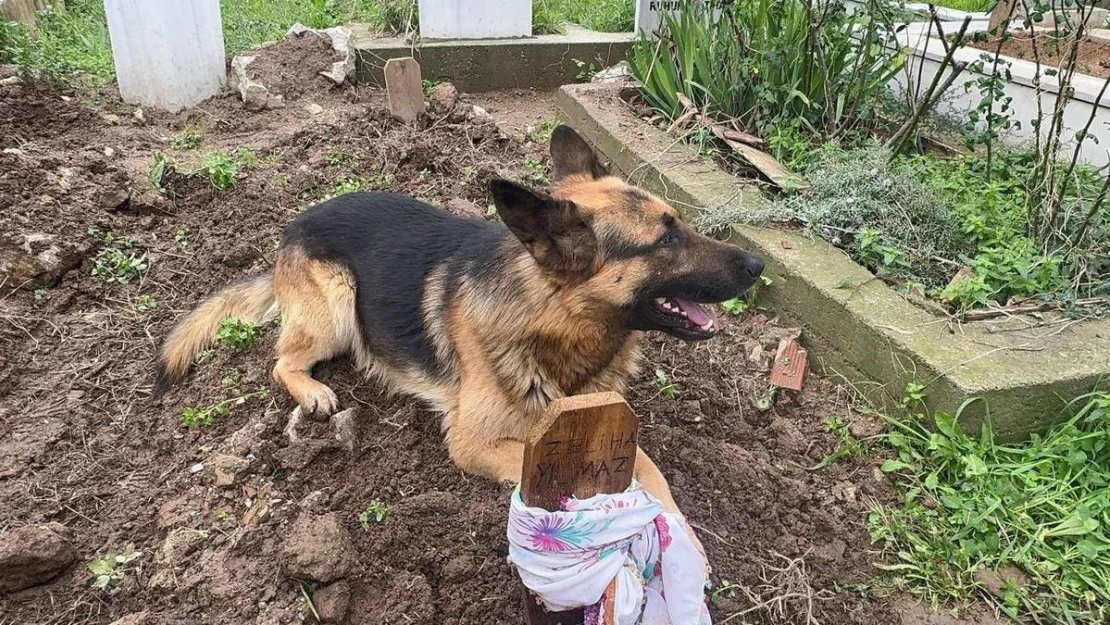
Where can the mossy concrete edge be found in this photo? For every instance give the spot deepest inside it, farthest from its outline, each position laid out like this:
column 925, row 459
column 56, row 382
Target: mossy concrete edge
column 855, row 326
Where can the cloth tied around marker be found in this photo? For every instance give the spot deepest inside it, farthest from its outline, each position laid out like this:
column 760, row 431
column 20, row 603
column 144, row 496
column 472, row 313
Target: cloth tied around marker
column 568, row 559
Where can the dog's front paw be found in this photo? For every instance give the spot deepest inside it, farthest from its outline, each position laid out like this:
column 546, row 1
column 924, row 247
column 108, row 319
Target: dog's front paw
column 321, row 404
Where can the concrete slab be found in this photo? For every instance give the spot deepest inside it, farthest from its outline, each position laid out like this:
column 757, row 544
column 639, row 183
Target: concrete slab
column 1021, row 369
column 542, row 62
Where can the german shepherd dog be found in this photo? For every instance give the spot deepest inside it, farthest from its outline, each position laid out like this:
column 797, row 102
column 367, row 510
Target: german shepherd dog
column 486, row 322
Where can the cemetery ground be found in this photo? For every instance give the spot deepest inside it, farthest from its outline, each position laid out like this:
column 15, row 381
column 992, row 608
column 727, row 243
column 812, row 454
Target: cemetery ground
column 198, row 509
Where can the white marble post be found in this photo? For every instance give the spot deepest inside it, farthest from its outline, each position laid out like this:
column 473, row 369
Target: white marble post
column 475, row 19
column 169, row 54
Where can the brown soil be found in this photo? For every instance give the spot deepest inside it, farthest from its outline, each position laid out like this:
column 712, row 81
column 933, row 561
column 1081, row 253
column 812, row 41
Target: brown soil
column 82, row 444
column 1093, row 57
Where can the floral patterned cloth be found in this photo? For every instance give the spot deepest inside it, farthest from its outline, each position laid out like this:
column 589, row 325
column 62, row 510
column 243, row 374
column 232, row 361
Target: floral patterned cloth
column 568, row 558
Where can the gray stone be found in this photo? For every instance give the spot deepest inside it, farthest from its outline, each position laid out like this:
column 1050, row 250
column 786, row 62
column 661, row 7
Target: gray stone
column 226, row 470
column 317, row 548
column 255, row 95
column 33, row 555
column 34, row 260
column 443, row 99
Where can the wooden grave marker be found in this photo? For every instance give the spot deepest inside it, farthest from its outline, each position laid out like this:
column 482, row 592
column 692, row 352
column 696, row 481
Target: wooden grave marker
column 585, row 445
column 405, row 91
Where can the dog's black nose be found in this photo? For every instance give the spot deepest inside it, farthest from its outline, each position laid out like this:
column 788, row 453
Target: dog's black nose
column 753, row 266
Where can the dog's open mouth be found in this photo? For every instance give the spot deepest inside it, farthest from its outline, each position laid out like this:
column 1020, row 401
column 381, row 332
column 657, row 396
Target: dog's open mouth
column 689, row 317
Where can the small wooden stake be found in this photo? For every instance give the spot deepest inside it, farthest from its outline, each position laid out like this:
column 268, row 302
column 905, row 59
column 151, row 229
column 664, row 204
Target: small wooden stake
column 585, row 445
column 405, row 91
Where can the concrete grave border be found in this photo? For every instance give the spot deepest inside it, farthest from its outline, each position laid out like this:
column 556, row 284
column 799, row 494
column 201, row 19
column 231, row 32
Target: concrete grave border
column 866, row 333
column 541, row 62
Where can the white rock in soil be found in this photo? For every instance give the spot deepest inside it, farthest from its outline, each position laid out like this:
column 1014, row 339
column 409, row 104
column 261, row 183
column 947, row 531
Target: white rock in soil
column 313, row 108
column 621, row 72
column 255, row 95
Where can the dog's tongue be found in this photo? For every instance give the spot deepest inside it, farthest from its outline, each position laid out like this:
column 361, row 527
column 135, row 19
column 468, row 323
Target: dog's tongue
column 697, row 313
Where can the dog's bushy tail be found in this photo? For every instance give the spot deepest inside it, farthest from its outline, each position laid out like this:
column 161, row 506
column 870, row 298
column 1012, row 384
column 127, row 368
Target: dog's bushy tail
column 249, row 300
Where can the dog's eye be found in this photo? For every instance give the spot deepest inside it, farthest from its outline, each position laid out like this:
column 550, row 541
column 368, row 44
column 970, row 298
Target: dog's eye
column 670, row 239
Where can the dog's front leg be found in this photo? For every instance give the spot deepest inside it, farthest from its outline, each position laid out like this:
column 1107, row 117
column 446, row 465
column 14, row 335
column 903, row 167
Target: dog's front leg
column 484, row 434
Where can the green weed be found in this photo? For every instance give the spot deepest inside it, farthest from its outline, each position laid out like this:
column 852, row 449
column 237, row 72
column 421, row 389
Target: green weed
column 667, row 389
column 536, row 172
column 111, row 569
column 198, row 418
column 145, row 303
column 158, row 169
column 1033, row 516
column 187, row 139
column 221, row 169
column 471, row 536
column 119, row 259
column 181, row 236
column 377, row 512
column 237, row 334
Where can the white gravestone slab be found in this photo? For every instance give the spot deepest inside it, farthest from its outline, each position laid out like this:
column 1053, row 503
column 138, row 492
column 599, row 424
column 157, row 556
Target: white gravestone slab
column 475, row 19
column 649, row 13
column 169, row 54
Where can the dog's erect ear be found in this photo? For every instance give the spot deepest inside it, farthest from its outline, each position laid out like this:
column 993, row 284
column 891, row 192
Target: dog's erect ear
column 571, row 155
column 552, row 230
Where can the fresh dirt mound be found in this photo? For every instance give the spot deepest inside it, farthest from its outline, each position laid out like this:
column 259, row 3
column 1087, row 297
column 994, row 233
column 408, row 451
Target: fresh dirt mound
column 291, row 67
column 215, row 510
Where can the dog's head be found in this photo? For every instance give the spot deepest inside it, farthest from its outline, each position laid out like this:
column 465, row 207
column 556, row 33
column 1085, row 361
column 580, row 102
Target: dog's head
column 619, row 251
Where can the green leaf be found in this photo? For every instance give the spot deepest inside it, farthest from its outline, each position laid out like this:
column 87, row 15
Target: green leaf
column 893, row 465
column 974, row 466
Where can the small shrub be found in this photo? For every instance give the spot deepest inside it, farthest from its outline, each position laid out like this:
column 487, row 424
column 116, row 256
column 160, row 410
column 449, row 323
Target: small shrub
column 374, row 513
column 536, row 172
column 145, row 303
column 237, row 334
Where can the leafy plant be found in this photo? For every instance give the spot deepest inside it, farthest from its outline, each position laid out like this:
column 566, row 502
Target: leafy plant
column 1034, row 513
column 145, row 303
column 111, row 569
column 771, row 61
column 735, row 306
column 186, row 139
column 119, row 260
column 536, row 172
column 181, row 236
column 667, row 389
column 197, row 418
column 586, row 71
column 377, row 512
column 221, row 169
column 157, row 172
column 237, row 333
column 471, row 536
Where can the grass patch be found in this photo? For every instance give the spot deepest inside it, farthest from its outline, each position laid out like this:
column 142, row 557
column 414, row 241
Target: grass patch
column 1024, row 526
column 971, row 6
column 608, row 16
column 69, row 48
